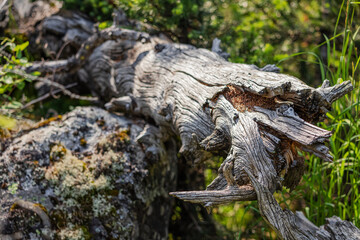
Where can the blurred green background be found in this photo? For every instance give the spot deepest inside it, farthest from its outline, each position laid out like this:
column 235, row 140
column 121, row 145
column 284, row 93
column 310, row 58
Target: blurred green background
column 312, row 40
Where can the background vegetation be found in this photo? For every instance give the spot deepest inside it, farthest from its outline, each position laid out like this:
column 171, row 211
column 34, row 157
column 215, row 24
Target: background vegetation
column 313, row 40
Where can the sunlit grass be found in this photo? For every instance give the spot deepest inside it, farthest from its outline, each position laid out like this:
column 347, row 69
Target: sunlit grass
column 326, row 189
column 333, row 188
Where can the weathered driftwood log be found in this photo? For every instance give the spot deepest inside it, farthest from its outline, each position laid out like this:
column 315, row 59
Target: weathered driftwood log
column 259, row 118
column 87, row 175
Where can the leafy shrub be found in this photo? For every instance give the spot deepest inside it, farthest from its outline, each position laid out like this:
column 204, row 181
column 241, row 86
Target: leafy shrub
column 99, row 10
column 11, row 57
column 254, row 32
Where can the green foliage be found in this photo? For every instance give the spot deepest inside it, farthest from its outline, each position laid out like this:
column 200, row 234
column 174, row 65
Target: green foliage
column 99, row 10
column 182, row 20
column 327, row 189
column 105, row 24
column 333, row 188
column 256, row 32
column 11, row 57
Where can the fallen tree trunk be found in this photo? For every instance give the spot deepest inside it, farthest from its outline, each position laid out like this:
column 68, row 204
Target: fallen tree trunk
column 259, row 119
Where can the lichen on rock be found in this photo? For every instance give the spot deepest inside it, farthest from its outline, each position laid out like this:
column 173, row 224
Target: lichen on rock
column 71, row 178
column 97, row 190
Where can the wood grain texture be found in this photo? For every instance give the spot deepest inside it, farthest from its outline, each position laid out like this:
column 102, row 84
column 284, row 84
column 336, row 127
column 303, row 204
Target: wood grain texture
column 183, row 90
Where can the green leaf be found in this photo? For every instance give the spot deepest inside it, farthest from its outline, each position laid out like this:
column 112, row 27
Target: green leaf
column 178, row 10
column 7, row 79
column 15, row 60
column 14, row 105
column 105, row 24
column 6, row 39
column 6, row 122
column 20, row 85
column 21, row 47
column 37, row 73
column 268, row 48
column 3, row 89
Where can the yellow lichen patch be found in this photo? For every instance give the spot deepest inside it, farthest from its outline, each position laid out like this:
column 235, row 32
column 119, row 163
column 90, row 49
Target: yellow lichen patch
column 35, row 163
column 57, row 152
column 47, row 121
column 12, row 208
column 245, row 101
column 123, row 135
column 83, row 142
column 41, row 206
column 4, row 133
